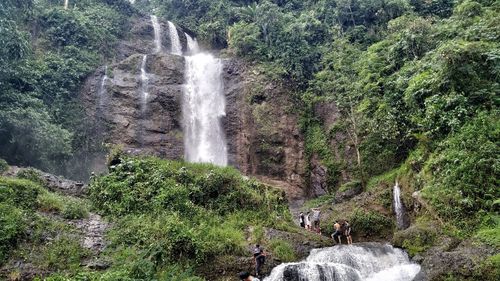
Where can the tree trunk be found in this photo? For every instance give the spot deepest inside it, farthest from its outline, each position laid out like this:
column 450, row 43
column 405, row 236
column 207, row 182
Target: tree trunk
column 66, row 3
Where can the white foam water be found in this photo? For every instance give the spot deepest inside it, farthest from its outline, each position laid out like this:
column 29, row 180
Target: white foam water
column 363, row 262
column 203, row 108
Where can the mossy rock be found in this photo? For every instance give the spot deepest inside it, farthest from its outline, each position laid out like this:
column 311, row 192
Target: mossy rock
column 415, row 239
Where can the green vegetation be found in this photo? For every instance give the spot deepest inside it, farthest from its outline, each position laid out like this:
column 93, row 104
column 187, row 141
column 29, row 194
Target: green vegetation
column 4, row 166
column 370, row 223
column 177, row 214
column 282, row 250
column 45, row 53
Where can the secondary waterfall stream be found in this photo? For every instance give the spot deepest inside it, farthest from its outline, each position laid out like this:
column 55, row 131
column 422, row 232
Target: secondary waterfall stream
column 157, row 31
column 398, row 206
column 175, row 42
column 365, row 261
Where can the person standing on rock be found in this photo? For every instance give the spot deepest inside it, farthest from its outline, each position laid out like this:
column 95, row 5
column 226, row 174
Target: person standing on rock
column 301, row 220
column 307, row 221
column 337, row 233
column 316, row 219
column 259, row 258
column 347, row 232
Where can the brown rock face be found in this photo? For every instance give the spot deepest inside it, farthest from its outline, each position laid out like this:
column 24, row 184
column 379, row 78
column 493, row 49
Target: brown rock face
column 153, row 128
column 261, row 128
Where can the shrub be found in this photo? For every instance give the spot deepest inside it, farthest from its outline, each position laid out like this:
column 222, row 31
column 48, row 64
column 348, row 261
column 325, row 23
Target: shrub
column 50, row 202
column 370, row 223
column 64, row 253
column 18, row 192
column 282, row 250
column 32, row 175
column 4, row 166
column 464, row 172
column 74, row 209
column 12, row 224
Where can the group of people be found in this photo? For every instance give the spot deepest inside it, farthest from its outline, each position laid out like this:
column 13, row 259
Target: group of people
column 311, row 220
column 342, row 228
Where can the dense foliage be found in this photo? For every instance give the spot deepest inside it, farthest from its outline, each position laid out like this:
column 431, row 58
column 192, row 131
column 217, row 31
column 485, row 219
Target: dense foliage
column 170, row 214
column 45, row 53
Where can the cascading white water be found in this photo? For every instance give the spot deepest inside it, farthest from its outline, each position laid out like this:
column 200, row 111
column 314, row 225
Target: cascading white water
column 157, row 30
column 398, row 206
column 102, row 89
column 193, row 46
column 363, row 262
column 203, row 107
column 144, row 84
column 175, row 42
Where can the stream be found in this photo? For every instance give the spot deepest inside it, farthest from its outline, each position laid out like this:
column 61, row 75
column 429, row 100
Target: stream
column 363, row 261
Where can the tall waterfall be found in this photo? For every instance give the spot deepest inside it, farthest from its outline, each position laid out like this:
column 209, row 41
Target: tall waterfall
column 101, row 94
column 144, row 84
column 398, row 206
column 193, row 47
column 203, row 107
column 157, row 30
column 176, row 47
column 366, row 262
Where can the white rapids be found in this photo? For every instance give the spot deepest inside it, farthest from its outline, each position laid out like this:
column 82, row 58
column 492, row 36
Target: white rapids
column 363, row 262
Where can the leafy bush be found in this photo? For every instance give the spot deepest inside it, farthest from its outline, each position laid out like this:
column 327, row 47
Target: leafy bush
column 19, row 192
column 12, row 224
column 62, row 254
column 50, row 202
column 370, row 223
column 4, row 166
column 74, row 209
column 465, row 172
column 282, row 250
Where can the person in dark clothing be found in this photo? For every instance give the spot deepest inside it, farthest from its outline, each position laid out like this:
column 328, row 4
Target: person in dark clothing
column 259, row 257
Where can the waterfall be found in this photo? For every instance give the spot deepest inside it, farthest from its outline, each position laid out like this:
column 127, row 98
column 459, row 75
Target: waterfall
column 144, row 84
column 176, row 47
column 364, row 262
column 203, row 108
column 398, row 206
column 102, row 89
column 192, row 44
column 157, row 30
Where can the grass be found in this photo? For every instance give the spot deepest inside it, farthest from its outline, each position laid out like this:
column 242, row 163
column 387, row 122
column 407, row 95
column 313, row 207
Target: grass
column 282, row 250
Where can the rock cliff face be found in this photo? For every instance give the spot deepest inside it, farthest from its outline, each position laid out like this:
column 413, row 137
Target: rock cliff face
column 261, row 126
column 117, row 103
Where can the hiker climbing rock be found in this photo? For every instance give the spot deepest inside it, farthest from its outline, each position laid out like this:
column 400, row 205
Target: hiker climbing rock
column 259, row 257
